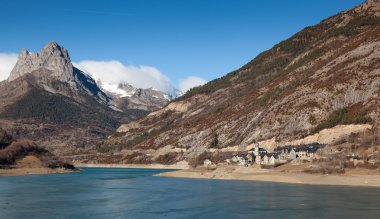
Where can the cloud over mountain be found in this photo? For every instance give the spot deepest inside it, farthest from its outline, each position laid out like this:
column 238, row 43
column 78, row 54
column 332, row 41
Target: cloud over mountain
column 115, row 72
column 7, row 62
column 190, row 82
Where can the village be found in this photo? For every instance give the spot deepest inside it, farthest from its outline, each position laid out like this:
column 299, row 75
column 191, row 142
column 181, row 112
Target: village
column 260, row 157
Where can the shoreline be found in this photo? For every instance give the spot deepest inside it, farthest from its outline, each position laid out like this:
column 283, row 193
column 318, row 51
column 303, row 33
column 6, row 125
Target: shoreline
column 130, row 166
column 33, row 171
column 266, row 175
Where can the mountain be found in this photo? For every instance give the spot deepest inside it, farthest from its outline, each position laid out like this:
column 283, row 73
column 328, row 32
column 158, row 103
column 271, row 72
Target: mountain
column 322, row 77
column 51, row 70
column 47, row 99
column 126, row 96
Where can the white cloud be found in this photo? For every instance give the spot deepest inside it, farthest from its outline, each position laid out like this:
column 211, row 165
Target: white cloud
column 115, row 72
column 7, row 62
column 190, row 82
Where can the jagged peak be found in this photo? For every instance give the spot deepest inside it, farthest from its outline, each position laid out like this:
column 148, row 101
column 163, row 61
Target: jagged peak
column 52, row 57
column 51, row 47
column 24, row 53
column 51, row 44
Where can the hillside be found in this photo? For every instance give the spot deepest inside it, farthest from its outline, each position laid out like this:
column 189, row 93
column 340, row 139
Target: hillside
column 323, row 76
column 26, row 157
column 48, row 100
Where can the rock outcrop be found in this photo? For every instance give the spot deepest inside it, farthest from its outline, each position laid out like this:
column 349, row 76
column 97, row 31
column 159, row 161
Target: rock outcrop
column 52, row 57
column 47, row 99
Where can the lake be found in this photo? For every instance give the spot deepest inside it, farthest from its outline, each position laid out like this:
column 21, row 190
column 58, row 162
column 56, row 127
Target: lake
column 135, row 193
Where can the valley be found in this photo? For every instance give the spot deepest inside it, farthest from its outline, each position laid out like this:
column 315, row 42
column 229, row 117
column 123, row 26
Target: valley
column 320, row 86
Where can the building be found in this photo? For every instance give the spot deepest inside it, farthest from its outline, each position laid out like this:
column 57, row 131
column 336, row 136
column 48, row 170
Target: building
column 258, row 159
column 207, row 163
column 241, row 159
column 265, row 160
column 292, row 155
column 259, row 151
column 272, row 160
column 306, row 151
column 250, row 158
column 301, row 153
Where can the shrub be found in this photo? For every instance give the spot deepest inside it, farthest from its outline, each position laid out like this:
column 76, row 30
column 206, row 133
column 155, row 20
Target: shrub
column 215, row 142
column 137, row 158
column 5, row 139
column 332, row 164
column 169, row 158
column 340, row 116
column 18, row 150
column 198, row 160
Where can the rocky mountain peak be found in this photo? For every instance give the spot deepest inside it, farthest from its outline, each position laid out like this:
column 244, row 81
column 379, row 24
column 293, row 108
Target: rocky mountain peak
column 52, row 57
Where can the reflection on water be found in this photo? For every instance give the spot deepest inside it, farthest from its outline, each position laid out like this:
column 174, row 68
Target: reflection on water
column 134, row 193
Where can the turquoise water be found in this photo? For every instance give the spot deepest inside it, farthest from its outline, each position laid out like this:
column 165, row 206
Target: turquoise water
column 135, row 193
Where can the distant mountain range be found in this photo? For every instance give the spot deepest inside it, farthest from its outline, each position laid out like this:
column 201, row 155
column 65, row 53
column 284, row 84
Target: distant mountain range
column 321, row 77
column 45, row 94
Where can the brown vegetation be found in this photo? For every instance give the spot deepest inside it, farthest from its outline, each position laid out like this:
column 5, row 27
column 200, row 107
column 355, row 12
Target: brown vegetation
column 329, row 165
column 321, row 77
column 12, row 151
column 5, row 139
column 218, row 157
column 169, row 158
column 20, row 149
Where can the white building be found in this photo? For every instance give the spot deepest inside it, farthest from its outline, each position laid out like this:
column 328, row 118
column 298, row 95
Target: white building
column 292, row 155
column 265, row 159
column 207, row 163
column 258, row 159
column 272, row 160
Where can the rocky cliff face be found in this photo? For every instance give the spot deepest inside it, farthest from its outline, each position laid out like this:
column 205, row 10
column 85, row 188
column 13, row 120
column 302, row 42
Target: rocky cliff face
column 47, row 100
column 323, row 76
column 52, row 57
column 52, row 65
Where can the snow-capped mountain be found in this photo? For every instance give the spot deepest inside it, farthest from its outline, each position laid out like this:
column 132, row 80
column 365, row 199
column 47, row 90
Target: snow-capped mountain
column 45, row 88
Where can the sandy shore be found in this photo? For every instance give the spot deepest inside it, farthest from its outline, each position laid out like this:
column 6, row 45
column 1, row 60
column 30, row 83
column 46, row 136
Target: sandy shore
column 31, row 171
column 354, row 178
column 31, row 165
column 178, row 166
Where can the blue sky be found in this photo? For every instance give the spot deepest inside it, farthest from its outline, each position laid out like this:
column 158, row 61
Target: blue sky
column 202, row 38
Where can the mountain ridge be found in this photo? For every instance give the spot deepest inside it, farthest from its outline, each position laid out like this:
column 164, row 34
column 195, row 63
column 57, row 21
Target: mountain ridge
column 322, row 76
column 46, row 90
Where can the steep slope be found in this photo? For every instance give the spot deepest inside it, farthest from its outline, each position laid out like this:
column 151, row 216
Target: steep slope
column 52, row 67
column 48, row 100
column 325, row 75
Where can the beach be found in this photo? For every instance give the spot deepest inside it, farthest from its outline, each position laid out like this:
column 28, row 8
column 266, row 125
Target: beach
column 352, row 177
column 355, row 177
column 31, row 165
column 31, row 171
column 177, row 166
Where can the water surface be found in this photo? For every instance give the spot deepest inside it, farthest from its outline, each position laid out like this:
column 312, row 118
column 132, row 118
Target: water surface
column 135, row 193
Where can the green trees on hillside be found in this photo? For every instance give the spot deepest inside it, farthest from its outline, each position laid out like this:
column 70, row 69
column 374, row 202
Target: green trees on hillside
column 58, row 109
column 341, row 117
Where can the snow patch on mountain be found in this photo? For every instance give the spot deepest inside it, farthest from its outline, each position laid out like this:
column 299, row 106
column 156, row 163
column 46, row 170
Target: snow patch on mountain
column 115, row 89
